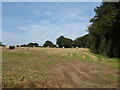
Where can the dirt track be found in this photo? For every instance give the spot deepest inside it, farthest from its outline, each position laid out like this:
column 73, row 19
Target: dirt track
column 80, row 74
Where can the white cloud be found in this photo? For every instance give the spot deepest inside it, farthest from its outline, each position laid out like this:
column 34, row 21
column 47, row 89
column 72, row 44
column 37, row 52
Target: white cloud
column 72, row 15
column 53, row 18
column 62, row 16
column 36, row 13
column 42, row 13
column 48, row 30
column 48, row 13
column 9, row 38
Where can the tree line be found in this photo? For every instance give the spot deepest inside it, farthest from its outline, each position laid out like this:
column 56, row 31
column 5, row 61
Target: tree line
column 61, row 42
column 104, row 30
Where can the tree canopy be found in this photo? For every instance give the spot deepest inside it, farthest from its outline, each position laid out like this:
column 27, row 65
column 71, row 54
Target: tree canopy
column 104, row 30
column 48, row 44
column 81, row 41
column 64, row 42
column 30, row 45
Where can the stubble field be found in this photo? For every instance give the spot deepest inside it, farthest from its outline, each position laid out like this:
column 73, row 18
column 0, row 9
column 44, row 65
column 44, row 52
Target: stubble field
column 57, row 68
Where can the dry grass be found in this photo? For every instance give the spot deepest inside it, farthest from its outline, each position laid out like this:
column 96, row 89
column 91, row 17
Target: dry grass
column 29, row 67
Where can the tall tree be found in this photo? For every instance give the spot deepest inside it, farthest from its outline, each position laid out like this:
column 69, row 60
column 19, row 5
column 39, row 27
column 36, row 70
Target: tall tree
column 104, row 30
column 64, row 42
column 81, row 41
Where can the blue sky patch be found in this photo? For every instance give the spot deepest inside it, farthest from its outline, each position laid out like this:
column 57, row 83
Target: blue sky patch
column 25, row 22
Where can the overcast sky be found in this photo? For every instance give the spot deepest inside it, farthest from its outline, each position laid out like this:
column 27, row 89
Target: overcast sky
column 40, row 21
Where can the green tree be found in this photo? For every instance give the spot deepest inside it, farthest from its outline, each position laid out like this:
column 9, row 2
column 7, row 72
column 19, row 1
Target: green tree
column 24, row 45
column 17, row 46
column 36, row 44
column 104, row 30
column 48, row 44
column 54, row 46
column 30, row 44
column 81, row 41
column 64, row 42
column 60, row 41
column 0, row 43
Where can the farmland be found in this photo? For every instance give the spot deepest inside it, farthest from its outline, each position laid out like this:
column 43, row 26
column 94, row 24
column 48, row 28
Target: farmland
column 37, row 67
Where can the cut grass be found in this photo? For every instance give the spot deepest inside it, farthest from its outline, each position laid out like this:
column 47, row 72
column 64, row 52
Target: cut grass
column 110, row 77
column 36, row 68
column 87, row 58
column 25, row 63
column 75, row 55
column 47, row 63
column 112, row 62
column 107, row 58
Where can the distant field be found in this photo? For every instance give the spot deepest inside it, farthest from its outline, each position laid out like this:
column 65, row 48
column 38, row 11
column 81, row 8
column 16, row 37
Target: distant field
column 57, row 68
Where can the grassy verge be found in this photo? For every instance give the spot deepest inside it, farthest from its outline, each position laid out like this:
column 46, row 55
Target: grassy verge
column 113, row 62
column 88, row 56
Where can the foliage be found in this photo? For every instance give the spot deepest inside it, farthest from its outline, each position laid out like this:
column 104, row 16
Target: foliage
column 48, row 44
column 36, row 44
column 0, row 43
column 54, row 45
column 81, row 41
column 104, row 30
column 64, row 42
column 30, row 45
column 17, row 46
column 24, row 45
